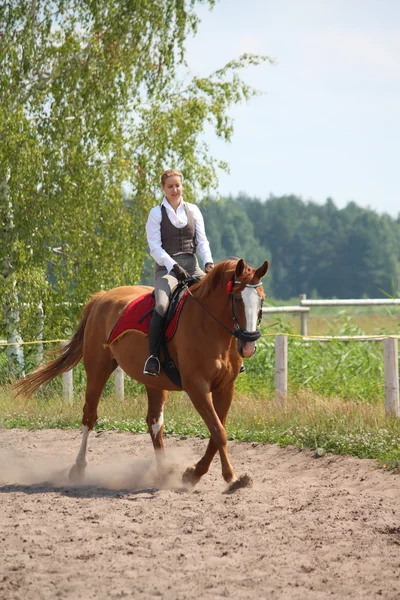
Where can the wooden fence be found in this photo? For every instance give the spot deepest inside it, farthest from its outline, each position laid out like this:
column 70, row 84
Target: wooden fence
column 391, row 367
column 390, row 346
column 390, row 357
column 305, row 305
column 390, row 352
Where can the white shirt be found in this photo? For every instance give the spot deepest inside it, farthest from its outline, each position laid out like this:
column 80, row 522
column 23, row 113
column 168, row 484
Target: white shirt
column 179, row 220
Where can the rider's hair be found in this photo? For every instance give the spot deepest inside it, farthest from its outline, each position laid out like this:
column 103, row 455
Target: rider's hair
column 169, row 173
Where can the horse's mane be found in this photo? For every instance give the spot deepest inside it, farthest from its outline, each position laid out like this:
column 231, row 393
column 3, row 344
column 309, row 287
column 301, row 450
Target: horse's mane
column 220, row 276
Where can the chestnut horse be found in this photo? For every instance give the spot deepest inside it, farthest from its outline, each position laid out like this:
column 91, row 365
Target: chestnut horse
column 217, row 328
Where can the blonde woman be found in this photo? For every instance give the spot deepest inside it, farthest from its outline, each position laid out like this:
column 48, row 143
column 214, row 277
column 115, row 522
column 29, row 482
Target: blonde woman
column 175, row 232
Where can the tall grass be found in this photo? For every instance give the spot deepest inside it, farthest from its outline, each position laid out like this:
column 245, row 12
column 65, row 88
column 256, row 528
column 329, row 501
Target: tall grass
column 335, row 400
column 305, row 420
column 351, row 370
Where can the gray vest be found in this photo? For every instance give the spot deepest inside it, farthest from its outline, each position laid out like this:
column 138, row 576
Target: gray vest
column 174, row 240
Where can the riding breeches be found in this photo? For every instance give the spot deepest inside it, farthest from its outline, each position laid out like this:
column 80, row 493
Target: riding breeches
column 165, row 282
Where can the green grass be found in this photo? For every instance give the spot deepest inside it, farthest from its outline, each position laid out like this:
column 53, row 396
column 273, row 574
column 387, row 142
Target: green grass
column 336, row 399
column 373, row 320
column 305, row 420
column 350, row 370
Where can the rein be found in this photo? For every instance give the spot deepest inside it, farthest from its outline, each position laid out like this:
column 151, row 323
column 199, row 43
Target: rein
column 238, row 333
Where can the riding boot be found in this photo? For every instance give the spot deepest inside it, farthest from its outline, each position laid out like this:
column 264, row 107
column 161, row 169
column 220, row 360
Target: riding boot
column 242, row 368
column 156, row 328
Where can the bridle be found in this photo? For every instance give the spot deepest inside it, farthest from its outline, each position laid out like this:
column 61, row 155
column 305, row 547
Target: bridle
column 237, row 332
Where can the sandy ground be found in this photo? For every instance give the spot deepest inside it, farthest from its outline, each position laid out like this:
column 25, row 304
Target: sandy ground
column 308, row 528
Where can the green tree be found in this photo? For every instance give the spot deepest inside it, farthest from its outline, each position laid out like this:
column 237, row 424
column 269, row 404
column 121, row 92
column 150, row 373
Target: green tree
column 90, row 102
column 314, row 248
column 370, row 262
column 231, row 232
column 276, row 229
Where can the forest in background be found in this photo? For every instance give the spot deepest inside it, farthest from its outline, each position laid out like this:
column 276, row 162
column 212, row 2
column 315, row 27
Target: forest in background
column 313, row 249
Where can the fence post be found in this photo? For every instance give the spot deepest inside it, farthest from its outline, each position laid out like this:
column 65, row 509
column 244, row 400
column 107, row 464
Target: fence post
column 303, row 317
column 39, row 350
column 391, row 368
column 67, row 383
column 281, row 366
column 119, row 383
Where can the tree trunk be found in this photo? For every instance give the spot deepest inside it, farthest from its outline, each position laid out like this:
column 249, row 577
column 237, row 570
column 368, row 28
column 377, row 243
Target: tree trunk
column 16, row 363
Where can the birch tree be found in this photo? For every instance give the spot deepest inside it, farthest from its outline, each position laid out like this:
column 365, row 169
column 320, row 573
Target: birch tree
column 91, row 104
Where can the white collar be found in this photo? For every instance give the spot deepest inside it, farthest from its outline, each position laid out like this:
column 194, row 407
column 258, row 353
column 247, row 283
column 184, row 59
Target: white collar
column 167, row 204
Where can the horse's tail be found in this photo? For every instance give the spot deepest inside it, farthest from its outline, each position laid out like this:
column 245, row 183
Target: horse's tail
column 69, row 357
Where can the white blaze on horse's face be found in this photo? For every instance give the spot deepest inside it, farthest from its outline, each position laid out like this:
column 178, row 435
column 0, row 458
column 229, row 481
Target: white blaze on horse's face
column 252, row 297
column 252, row 306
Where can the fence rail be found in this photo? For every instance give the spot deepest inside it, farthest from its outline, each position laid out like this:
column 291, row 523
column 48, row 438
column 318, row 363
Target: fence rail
column 358, row 302
column 390, row 351
column 391, row 371
column 306, row 305
column 285, row 309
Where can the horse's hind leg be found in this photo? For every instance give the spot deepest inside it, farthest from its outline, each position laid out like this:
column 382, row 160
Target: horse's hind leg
column 97, row 376
column 155, row 422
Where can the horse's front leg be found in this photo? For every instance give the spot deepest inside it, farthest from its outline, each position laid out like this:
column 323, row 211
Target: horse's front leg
column 155, row 422
column 222, row 400
column 214, row 410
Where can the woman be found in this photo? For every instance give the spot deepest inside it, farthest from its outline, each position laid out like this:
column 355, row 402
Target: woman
column 175, row 231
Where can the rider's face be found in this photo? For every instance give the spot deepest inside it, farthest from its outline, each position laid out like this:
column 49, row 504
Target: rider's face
column 173, row 189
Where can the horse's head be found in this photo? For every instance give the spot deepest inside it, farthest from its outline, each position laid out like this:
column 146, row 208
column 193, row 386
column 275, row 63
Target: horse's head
column 247, row 296
column 244, row 293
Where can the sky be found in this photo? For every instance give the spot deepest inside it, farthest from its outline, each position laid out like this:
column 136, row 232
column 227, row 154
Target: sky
column 328, row 121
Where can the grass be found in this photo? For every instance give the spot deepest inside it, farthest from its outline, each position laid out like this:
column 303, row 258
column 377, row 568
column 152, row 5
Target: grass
column 336, row 397
column 351, row 370
column 324, row 321
column 305, row 420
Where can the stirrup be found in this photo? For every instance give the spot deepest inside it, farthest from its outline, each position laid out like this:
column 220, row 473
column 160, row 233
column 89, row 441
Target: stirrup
column 152, row 366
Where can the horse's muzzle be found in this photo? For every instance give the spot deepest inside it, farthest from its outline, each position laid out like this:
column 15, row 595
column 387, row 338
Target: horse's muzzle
column 247, row 342
column 246, row 350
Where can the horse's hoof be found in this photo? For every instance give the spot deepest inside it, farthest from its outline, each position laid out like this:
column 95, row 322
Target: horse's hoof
column 244, row 481
column 76, row 474
column 189, row 478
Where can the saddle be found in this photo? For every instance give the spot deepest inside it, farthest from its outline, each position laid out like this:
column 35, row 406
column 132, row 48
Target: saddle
column 137, row 316
column 171, row 323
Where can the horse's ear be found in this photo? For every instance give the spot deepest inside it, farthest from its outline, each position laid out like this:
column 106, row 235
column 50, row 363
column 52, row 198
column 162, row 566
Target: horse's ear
column 261, row 271
column 239, row 267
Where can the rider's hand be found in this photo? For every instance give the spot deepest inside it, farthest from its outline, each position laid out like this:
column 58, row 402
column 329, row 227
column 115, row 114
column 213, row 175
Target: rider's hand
column 208, row 267
column 179, row 272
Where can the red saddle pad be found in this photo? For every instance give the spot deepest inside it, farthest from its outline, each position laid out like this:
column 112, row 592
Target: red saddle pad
column 134, row 312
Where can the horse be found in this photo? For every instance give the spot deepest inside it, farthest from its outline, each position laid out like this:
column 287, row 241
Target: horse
column 218, row 327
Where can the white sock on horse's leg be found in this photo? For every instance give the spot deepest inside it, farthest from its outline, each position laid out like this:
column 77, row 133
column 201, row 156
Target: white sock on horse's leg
column 81, row 458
